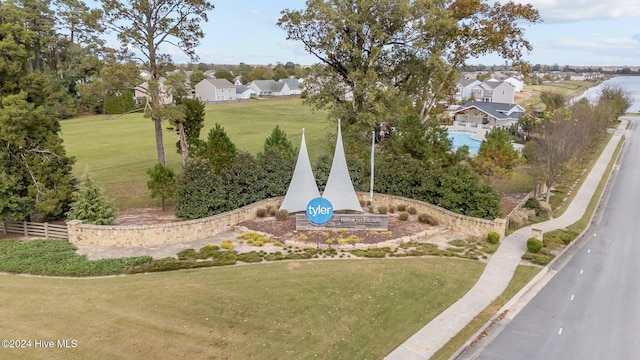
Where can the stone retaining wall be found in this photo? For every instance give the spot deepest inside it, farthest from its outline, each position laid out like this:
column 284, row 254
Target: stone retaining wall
column 459, row 223
column 163, row 234
column 185, row 231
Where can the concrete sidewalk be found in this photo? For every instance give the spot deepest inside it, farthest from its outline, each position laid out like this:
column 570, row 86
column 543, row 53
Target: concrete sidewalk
column 500, row 268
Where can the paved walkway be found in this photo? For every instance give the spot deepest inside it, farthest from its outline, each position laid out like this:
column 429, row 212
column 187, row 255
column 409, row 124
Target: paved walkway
column 499, row 271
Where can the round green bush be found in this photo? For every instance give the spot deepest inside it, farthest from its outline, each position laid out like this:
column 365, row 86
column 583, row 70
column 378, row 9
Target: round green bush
column 411, row 210
column 282, row 215
column 493, row 237
column 261, row 213
column 404, row 216
column 427, row 219
column 534, row 245
column 382, row 209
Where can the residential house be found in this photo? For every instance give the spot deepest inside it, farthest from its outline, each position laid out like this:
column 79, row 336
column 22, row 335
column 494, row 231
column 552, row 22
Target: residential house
column 270, row 88
column 488, row 114
column 294, row 85
column 214, row 90
column 494, row 91
column 517, row 83
column 141, row 94
column 244, row 92
column 464, row 86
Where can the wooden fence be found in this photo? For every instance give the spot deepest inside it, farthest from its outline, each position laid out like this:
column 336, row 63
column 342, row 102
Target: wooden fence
column 41, row 230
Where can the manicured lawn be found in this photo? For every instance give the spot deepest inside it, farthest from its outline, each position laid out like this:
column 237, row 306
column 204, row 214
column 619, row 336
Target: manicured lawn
column 347, row 309
column 523, row 180
column 117, row 150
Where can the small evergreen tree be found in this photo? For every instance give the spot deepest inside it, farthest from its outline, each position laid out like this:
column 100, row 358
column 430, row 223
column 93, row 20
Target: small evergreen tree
column 162, row 182
column 193, row 123
column 496, row 156
column 278, row 142
column 90, row 205
column 218, row 149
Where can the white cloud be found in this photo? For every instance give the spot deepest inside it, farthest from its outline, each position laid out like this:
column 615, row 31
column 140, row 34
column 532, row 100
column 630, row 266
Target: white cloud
column 554, row 11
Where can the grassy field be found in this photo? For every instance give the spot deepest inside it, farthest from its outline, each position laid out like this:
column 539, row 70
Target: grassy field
column 117, row 150
column 348, row 309
column 568, row 88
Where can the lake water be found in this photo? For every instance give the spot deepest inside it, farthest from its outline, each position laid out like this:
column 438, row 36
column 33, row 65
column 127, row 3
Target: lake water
column 628, row 83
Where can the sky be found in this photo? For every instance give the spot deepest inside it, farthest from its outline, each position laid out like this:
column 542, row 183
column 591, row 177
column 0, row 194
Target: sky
column 573, row 32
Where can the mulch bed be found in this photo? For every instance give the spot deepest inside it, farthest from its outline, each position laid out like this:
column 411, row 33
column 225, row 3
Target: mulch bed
column 286, row 230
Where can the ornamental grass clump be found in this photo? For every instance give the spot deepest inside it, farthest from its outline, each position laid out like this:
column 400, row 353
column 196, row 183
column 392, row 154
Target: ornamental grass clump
column 282, row 215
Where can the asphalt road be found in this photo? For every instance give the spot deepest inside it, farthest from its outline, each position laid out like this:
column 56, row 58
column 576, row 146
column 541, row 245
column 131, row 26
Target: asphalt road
column 591, row 308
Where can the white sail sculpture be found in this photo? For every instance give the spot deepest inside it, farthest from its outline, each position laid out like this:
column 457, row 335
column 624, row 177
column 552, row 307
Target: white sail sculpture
column 339, row 189
column 303, row 187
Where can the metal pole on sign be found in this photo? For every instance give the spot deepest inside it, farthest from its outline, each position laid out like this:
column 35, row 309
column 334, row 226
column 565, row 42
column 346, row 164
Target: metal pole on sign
column 373, row 144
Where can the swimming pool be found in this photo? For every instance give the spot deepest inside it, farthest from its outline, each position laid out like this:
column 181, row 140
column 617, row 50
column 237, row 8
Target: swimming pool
column 461, row 138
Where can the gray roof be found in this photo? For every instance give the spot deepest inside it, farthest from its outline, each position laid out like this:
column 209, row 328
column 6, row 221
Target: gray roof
column 465, row 81
column 241, row 88
column 269, row 86
column 293, row 83
column 500, row 111
column 220, row 83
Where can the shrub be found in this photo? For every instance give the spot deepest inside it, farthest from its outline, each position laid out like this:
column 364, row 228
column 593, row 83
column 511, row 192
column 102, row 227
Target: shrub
column 370, row 209
column 392, row 209
column 539, row 258
column 458, row 242
column 90, row 205
column 411, row 210
column 534, row 245
column 227, row 245
column 371, row 253
column 271, row 210
column 533, row 204
column 208, row 251
column 187, row 254
column 554, row 239
column 250, row 257
column 493, row 237
column 261, row 213
column 167, row 264
column 402, row 207
column 427, row 219
column 404, row 216
column 382, row 209
column 282, row 215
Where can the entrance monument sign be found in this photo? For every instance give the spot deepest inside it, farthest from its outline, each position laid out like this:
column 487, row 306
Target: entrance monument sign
column 339, row 195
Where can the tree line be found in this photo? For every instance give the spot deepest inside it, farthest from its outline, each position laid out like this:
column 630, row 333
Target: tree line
column 383, row 60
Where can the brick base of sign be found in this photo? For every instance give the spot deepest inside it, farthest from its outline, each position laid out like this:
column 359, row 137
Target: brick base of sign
column 346, row 221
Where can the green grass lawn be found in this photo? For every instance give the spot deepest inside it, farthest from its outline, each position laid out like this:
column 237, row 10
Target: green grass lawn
column 523, row 180
column 348, row 309
column 117, row 150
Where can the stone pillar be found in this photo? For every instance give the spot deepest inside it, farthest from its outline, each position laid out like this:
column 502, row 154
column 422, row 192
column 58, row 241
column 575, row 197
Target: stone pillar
column 500, row 226
column 73, row 229
column 536, row 233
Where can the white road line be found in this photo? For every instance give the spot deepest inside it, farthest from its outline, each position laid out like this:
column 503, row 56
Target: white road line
column 572, row 297
column 581, row 271
column 589, row 251
column 560, row 331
